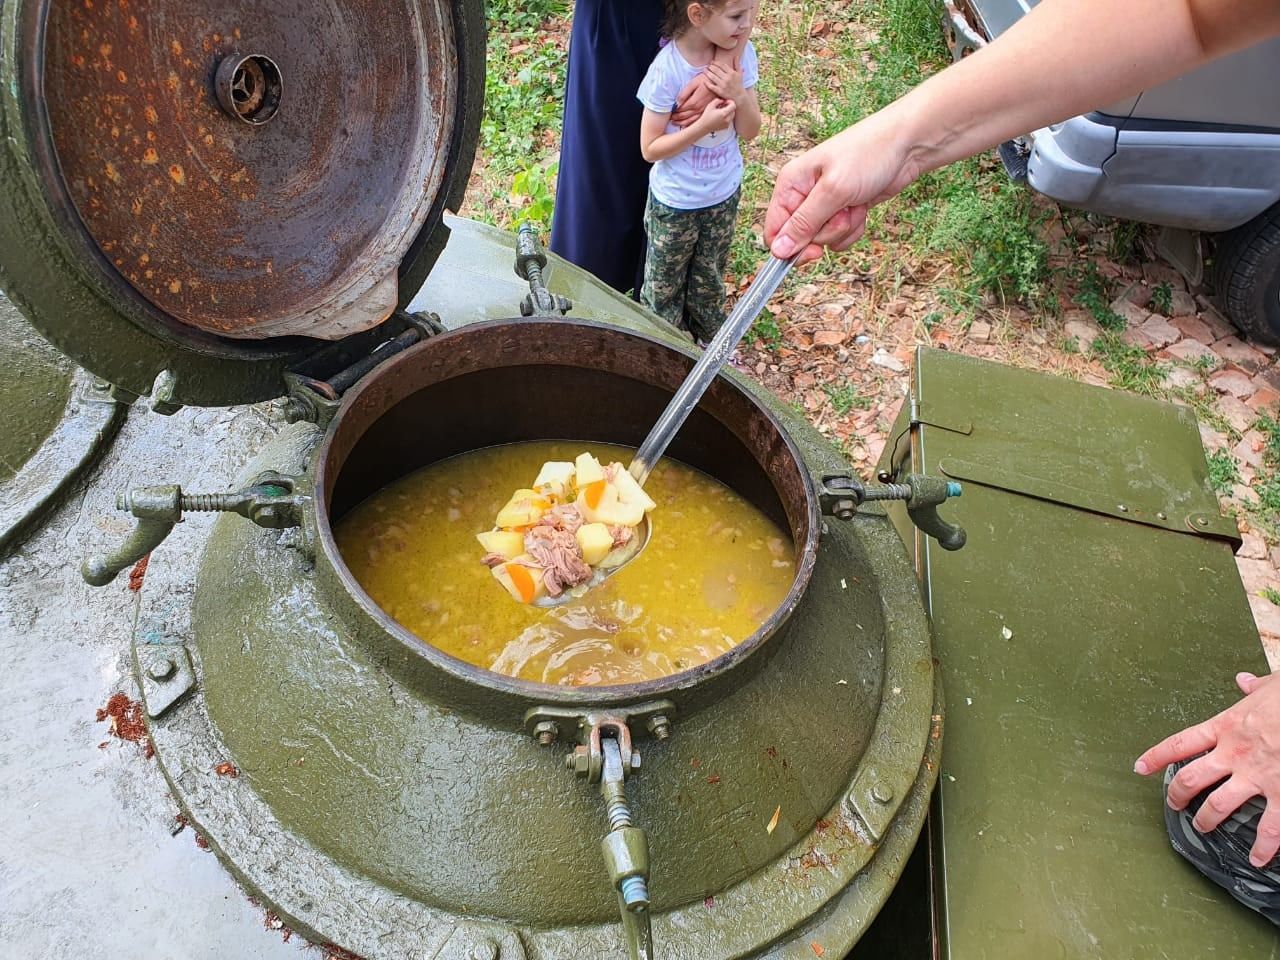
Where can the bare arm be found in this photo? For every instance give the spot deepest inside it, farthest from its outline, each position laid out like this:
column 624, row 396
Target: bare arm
column 656, row 144
column 1064, row 58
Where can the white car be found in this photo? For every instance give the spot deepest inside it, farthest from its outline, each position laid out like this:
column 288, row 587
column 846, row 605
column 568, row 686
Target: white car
column 1199, row 155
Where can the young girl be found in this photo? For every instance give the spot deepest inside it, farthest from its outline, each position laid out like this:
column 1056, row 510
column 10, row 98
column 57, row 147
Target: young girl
column 693, row 186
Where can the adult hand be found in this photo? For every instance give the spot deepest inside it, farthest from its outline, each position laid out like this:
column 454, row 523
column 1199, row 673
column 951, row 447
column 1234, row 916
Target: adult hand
column 1243, row 744
column 821, row 198
column 693, row 99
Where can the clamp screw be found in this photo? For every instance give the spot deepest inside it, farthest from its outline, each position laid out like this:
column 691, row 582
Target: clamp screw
column 659, row 726
column 881, row 792
column 547, row 732
column 635, row 894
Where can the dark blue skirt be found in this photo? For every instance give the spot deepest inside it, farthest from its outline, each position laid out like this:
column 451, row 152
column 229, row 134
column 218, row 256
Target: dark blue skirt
column 598, row 222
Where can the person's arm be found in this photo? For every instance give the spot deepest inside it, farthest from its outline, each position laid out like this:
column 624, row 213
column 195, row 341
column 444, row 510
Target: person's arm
column 1241, row 746
column 1064, row 58
column 656, row 144
column 695, row 96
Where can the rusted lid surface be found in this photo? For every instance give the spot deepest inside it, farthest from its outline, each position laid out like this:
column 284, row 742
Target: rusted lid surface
column 253, row 169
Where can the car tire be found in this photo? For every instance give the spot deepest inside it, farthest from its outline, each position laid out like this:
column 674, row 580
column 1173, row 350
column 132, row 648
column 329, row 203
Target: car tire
column 1246, row 272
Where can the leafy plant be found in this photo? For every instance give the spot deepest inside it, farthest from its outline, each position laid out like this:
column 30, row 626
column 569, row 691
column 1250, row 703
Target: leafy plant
column 1224, row 472
column 765, row 330
column 1130, row 367
column 1162, row 298
column 534, row 187
column 844, row 397
column 1271, row 594
column 1092, row 295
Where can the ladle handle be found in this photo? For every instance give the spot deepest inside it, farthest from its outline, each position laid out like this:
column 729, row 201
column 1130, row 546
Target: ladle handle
column 708, row 366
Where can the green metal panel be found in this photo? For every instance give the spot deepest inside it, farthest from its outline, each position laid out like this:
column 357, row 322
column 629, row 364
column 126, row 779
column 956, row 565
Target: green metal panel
column 1071, row 637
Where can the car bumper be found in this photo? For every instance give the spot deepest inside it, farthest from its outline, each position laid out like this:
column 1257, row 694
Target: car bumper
column 1195, row 179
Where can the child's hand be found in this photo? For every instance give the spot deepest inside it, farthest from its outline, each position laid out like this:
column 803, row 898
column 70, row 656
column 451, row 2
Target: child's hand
column 718, row 115
column 725, row 80
column 693, row 99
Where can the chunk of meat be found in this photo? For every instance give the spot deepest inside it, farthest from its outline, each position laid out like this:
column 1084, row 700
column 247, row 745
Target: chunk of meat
column 565, row 517
column 492, row 560
column 558, row 553
column 621, row 535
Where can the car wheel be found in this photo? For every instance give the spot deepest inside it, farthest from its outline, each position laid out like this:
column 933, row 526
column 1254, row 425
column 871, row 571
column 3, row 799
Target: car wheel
column 1247, row 275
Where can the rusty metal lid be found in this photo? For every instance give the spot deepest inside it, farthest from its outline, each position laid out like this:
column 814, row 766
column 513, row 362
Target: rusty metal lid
column 208, row 189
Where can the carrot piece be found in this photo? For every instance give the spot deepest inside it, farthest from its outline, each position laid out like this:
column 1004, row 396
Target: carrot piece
column 593, row 493
column 523, row 581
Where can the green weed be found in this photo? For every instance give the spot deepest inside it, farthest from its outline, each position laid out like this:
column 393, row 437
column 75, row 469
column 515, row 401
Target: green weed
column 1162, row 298
column 1092, row 295
column 844, row 397
column 765, row 330
column 1130, row 367
column 534, row 187
column 1224, row 472
column 1270, row 594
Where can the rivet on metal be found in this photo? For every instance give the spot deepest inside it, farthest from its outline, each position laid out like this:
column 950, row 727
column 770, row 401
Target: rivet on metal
column 1161, row 516
column 1122, row 508
column 1202, row 521
column 881, row 792
column 487, row 950
column 161, row 668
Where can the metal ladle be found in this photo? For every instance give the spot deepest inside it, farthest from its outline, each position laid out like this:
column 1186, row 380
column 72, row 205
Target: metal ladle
column 708, row 367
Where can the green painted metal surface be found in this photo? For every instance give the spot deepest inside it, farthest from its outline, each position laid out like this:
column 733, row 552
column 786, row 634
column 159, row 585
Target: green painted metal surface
column 475, row 280
column 35, row 382
column 1071, row 638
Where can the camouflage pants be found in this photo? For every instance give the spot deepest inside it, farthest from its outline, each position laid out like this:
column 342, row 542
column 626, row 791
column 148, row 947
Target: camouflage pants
column 1222, row 854
column 685, row 263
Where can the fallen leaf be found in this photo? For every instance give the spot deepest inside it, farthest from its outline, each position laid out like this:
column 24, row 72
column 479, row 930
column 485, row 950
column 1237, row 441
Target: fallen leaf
column 773, row 821
column 829, row 338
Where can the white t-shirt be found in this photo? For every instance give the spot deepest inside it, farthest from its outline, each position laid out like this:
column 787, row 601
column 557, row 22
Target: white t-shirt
column 709, row 171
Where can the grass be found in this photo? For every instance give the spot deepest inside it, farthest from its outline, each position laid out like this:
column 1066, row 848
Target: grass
column 1267, row 484
column 1162, row 298
column 765, row 330
column 1092, row 295
column 1130, row 367
column 844, row 397
column 1271, row 594
column 1224, row 472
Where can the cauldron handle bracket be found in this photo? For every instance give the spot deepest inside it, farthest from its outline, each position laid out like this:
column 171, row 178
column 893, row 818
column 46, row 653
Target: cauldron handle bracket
column 272, row 500
column 606, row 756
column 840, row 495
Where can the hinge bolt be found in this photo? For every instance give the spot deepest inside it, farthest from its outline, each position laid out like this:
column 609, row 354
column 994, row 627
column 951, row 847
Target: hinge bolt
column 635, row 894
column 659, row 726
column 547, row 732
column 161, row 668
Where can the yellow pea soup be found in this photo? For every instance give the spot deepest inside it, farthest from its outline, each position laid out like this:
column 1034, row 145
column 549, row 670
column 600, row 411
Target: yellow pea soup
column 713, row 571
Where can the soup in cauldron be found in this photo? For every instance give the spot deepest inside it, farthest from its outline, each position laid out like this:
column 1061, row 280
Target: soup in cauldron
column 713, row 571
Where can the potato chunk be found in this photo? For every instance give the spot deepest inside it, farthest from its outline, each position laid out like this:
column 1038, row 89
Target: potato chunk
column 631, row 492
column 555, row 478
column 608, row 508
column 596, row 541
column 522, row 580
column 524, row 508
column 507, row 544
column 588, row 470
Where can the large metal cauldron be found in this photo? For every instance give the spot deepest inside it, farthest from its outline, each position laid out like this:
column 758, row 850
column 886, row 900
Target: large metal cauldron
column 408, row 791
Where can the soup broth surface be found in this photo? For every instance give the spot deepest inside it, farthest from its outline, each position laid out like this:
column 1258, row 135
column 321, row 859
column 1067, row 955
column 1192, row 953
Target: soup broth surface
column 713, row 571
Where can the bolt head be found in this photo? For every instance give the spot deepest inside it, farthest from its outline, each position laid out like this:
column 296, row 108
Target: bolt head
column 659, row 726
column 635, row 760
column 881, row 792
column 547, row 732
column 161, row 668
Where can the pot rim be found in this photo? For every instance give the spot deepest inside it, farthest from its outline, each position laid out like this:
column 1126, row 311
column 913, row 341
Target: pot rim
column 532, row 691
